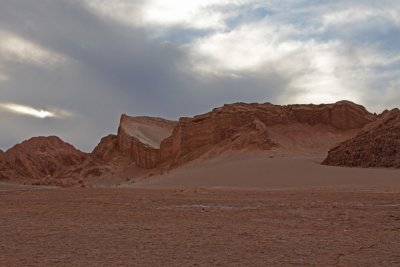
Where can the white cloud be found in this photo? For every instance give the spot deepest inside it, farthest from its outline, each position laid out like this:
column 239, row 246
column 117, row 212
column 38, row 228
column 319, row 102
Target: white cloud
column 198, row 14
column 244, row 49
column 33, row 112
column 317, row 71
column 349, row 16
column 17, row 49
column 388, row 11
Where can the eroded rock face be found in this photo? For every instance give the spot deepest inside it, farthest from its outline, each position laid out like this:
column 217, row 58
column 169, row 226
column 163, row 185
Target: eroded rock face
column 240, row 126
column 41, row 160
column 135, row 146
column 147, row 143
column 106, row 149
column 151, row 141
column 377, row 146
column 139, row 138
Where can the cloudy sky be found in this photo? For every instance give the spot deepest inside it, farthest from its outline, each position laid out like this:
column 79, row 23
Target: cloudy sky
column 71, row 67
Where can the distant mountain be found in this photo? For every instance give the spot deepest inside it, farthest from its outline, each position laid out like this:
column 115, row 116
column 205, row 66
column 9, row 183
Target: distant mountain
column 377, row 146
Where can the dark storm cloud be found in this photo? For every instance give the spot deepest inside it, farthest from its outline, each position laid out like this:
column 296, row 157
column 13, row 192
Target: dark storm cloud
column 98, row 65
column 110, row 69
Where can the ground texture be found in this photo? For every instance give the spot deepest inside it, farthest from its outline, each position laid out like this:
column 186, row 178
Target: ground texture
column 198, row 227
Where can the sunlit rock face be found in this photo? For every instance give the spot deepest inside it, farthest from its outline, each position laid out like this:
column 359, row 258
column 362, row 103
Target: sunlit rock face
column 377, row 146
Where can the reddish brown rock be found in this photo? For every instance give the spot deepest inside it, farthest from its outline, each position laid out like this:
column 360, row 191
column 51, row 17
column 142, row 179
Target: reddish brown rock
column 41, row 160
column 147, row 143
column 106, row 149
column 140, row 137
column 150, row 142
column 377, row 146
column 242, row 126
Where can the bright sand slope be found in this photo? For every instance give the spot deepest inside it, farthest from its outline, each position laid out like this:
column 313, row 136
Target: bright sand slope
column 262, row 172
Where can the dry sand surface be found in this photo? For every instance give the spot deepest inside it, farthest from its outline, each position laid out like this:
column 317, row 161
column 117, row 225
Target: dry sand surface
column 209, row 214
column 199, row 227
column 262, row 172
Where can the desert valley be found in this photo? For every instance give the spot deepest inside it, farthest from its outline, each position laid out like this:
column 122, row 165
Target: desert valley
column 242, row 185
column 341, row 134
column 199, row 133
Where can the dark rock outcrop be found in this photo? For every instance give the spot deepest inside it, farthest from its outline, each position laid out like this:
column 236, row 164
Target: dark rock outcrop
column 377, row 146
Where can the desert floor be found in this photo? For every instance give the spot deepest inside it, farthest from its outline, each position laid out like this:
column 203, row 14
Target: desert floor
column 233, row 211
column 198, row 227
column 260, row 172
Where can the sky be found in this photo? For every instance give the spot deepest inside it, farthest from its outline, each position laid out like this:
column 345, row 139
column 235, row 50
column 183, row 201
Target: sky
column 71, row 67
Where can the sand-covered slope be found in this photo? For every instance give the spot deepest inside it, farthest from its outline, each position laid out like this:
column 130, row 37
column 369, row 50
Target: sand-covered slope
column 284, row 130
column 140, row 138
column 377, row 146
column 147, row 130
column 156, row 145
column 146, row 146
column 262, row 172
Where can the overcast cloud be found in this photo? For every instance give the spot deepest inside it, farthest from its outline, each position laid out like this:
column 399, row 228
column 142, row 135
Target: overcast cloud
column 72, row 67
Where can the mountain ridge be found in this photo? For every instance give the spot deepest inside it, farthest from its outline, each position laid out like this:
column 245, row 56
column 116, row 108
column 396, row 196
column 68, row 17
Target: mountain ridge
column 144, row 146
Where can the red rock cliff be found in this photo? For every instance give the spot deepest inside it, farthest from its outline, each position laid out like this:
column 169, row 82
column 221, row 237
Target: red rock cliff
column 242, row 125
column 150, row 142
column 377, row 146
column 139, row 138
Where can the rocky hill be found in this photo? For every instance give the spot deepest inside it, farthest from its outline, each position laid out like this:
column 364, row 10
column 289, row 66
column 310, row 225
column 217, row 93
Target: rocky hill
column 280, row 130
column 293, row 129
column 377, row 146
column 123, row 155
column 40, row 160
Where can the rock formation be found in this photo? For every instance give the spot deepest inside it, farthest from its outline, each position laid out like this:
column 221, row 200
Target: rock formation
column 378, row 145
column 145, row 145
column 153, row 142
column 261, row 126
column 41, row 160
column 122, row 155
column 140, row 138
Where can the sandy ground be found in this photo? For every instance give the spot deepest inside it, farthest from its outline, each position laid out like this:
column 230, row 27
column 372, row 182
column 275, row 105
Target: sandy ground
column 262, row 172
column 199, row 227
column 232, row 211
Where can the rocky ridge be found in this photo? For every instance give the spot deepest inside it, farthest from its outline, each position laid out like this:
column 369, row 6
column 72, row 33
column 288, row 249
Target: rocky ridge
column 378, row 145
column 146, row 145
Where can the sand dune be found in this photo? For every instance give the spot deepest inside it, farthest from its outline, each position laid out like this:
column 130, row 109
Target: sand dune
column 261, row 172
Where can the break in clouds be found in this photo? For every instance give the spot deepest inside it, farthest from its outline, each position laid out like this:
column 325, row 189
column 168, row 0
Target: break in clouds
column 71, row 67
